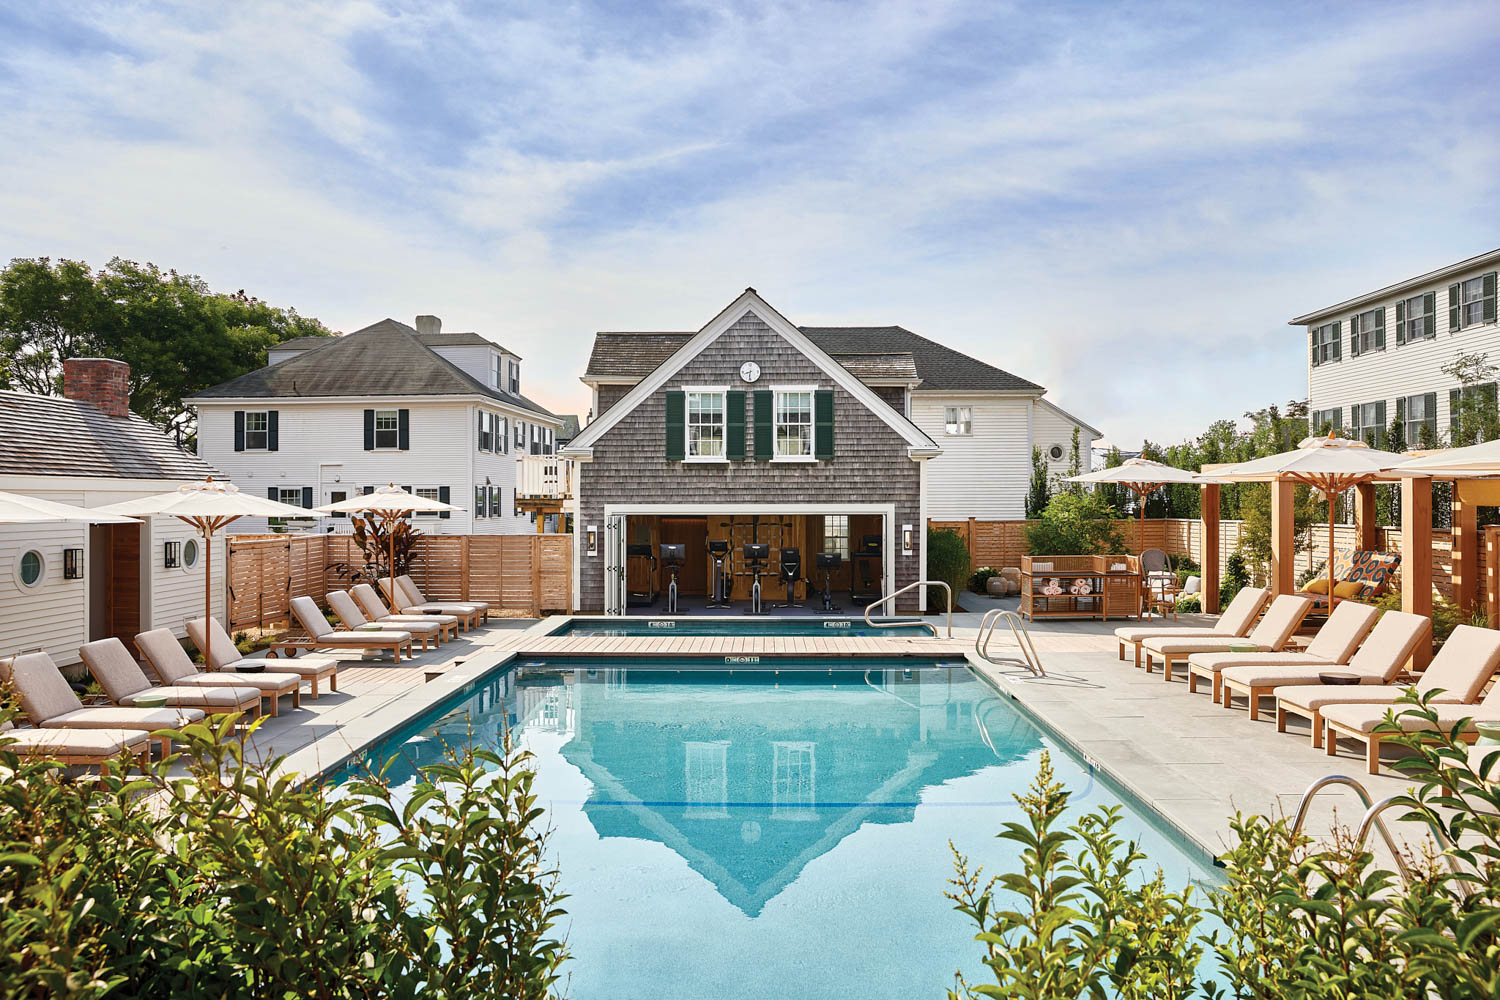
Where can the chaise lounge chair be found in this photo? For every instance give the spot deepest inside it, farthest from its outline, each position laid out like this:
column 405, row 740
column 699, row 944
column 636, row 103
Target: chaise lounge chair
column 1335, row 642
column 76, row 746
column 1476, row 653
column 1460, row 682
column 166, row 656
column 353, row 618
column 375, row 609
column 124, row 681
column 50, row 703
column 1378, row 661
column 310, row 666
column 321, row 635
column 1235, row 621
column 1269, row 635
column 407, row 598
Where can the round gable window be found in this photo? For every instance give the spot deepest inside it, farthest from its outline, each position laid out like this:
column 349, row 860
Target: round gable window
column 1055, row 452
column 30, row 568
column 190, row 553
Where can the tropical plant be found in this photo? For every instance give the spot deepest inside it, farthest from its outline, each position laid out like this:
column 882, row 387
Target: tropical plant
column 1074, row 524
column 233, row 880
column 373, row 536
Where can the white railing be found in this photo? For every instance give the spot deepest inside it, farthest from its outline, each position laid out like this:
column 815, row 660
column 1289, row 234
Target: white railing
column 544, row 476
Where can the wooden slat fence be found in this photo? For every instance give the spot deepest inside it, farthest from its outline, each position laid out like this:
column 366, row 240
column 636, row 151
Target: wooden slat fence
column 530, row 574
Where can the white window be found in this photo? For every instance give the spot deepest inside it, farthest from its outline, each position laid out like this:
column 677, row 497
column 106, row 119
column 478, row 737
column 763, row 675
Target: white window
column 794, row 781
column 486, row 431
column 1414, row 320
column 496, row 363
column 1326, row 346
column 31, row 568
column 794, row 423
column 481, row 501
column 290, row 495
column 387, row 428
column 429, row 493
column 1418, row 412
column 1367, row 420
column 257, row 424
column 705, row 424
column 515, row 378
column 521, row 433
column 190, row 553
column 1472, row 300
column 958, row 421
column 706, row 780
column 502, row 434
column 1367, row 332
column 836, row 534
column 1323, row 421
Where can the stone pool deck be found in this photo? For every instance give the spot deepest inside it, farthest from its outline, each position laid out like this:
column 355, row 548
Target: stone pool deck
column 1194, row 762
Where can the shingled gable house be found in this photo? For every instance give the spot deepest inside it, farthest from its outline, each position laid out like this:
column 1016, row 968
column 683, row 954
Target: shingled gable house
column 440, row 413
column 815, row 438
column 62, row 585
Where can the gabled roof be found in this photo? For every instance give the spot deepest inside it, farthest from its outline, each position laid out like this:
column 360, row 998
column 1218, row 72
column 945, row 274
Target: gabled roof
column 884, row 368
column 55, row 436
column 623, row 355
column 1410, row 284
column 429, row 339
column 750, row 302
column 387, row 358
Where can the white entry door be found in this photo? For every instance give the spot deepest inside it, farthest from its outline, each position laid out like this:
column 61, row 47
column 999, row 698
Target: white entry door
column 614, row 565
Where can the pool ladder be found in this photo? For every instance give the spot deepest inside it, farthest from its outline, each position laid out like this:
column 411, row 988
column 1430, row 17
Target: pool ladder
column 1373, row 820
column 1028, row 655
column 899, row 623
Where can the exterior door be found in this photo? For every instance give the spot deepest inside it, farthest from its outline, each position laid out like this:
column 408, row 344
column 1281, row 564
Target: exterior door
column 614, row 565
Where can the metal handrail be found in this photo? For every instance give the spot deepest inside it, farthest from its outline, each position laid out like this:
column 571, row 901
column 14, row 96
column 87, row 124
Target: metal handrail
column 892, row 596
column 1372, row 818
column 1029, row 658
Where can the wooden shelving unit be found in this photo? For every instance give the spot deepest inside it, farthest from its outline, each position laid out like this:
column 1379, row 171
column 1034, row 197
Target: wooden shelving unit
column 1101, row 587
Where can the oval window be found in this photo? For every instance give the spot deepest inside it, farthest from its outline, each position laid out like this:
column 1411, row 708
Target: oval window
column 32, row 567
column 190, row 553
column 1056, row 451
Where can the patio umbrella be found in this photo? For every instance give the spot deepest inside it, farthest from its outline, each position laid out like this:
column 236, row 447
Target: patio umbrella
column 1329, row 465
column 390, row 504
column 1476, row 459
column 1142, row 477
column 208, row 506
column 17, row 508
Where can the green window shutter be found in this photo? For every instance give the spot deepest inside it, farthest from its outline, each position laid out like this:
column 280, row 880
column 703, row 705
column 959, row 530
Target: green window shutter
column 823, row 424
column 239, row 430
column 1353, row 336
column 1400, row 323
column 734, row 425
column 273, row 430
column 403, row 429
column 764, row 432
column 1380, row 329
column 272, row 493
column 307, row 497
column 369, row 430
column 1338, row 343
column 1401, row 408
column 1453, row 310
column 1489, row 297
column 1429, row 315
column 444, row 493
column 676, row 425
column 1312, row 343
column 1380, row 422
column 1453, row 398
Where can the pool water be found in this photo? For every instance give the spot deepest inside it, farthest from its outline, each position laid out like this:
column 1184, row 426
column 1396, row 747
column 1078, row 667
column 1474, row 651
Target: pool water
column 733, row 625
column 762, row 833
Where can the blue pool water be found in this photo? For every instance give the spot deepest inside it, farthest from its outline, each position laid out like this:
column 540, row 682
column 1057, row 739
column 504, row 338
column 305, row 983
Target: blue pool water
column 763, row 833
column 733, row 625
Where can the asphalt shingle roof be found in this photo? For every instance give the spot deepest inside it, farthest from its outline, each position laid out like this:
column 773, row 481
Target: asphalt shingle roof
column 618, row 354
column 884, row 367
column 430, row 339
column 55, row 436
column 387, row 358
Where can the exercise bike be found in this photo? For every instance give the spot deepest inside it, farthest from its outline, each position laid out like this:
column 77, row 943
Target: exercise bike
column 719, row 551
column 791, row 569
column 755, row 554
column 647, row 597
column 829, row 562
column 672, row 556
column 866, row 557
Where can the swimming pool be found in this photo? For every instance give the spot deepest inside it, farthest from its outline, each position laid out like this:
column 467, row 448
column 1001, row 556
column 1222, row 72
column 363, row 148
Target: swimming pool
column 732, row 625
column 759, row 833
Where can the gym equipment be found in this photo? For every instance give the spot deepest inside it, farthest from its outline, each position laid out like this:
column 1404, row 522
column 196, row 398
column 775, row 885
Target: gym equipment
column 866, row 568
column 672, row 556
column 829, row 562
column 791, row 569
column 719, row 551
column 755, row 554
column 642, row 598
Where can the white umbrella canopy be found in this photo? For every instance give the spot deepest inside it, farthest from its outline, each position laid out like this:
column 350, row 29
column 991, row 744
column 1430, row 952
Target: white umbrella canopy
column 208, row 506
column 1476, row 458
column 1142, row 476
column 17, row 508
column 390, row 504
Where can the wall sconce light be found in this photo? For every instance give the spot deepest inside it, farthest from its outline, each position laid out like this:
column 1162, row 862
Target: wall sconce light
column 72, row 564
column 172, row 555
column 593, row 537
column 907, row 540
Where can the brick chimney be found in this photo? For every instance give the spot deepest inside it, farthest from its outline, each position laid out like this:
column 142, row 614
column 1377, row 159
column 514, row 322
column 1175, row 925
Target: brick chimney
column 104, row 382
column 429, row 324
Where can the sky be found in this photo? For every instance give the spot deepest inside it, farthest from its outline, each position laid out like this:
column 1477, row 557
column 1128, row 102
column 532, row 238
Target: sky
column 1124, row 203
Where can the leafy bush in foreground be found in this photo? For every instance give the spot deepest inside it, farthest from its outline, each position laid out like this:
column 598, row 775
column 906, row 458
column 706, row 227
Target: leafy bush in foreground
column 1300, row 922
column 233, row 881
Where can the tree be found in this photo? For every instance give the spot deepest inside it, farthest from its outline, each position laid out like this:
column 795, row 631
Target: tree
column 1075, row 461
column 1075, row 524
column 1040, row 490
column 1395, row 434
column 1476, row 417
column 177, row 335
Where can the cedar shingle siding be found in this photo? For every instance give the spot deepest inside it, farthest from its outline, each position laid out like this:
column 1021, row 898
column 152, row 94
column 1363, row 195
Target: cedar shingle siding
column 870, row 464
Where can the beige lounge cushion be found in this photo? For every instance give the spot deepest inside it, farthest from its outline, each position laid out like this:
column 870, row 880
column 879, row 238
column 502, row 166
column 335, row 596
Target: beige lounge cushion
column 1390, row 644
column 112, row 717
column 1137, row 633
column 1464, row 665
column 1240, row 616
column 415, row 596
column 1275, row 628
column 73, row 742
column 363, row 638
column 209, row 633
column 1271, row 676
column 114, row 668
column 171, row 663
column 198, row 696
column 1342, row 633
column 1208, row 664
column 345, row 607
column 43, row 690
column 371, row 604
column 1317, row 697
column 1364, row 718
column 1203, row 644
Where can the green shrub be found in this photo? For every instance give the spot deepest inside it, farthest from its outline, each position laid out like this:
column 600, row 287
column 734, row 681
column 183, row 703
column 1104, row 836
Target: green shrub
column 1074, row 524
column 948, row 561
column 234, row 881
column 980, row 578
column 1236, row 578
column 1190, row 603
column 1446, row 615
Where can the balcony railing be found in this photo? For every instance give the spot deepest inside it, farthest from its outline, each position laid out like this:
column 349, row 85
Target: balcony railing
column 544, row 477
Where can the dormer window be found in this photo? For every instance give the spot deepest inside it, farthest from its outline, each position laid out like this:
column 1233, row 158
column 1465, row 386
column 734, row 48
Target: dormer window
column 515, row 377
column 496, row 371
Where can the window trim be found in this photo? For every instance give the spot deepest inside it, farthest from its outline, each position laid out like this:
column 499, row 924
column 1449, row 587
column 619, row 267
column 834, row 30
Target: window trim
column 192, row 552
column 1333, row 343
column 1413, row 435
column 264, row 432
column 41, row 573
column 811, row 391
column 418, row 491
column 722, row 391
column 957, row 408
column 394, row 430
